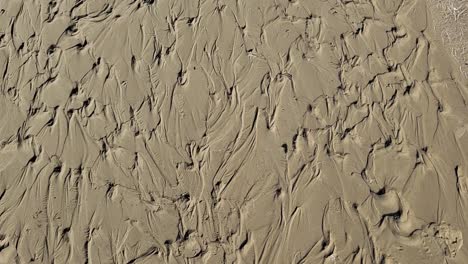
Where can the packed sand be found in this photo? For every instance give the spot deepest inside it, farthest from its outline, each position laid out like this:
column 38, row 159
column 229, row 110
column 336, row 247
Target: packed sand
column 450, row 20
column 232, row 131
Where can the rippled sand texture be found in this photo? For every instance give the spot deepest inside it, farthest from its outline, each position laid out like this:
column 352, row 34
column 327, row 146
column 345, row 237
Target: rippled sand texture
column 223, row 131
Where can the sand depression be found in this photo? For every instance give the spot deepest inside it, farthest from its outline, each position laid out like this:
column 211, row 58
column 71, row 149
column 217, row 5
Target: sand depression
column 224, row 131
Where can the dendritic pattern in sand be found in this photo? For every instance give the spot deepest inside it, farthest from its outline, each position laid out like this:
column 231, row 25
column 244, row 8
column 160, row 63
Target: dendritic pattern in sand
column 450, row 20
column 224, row 131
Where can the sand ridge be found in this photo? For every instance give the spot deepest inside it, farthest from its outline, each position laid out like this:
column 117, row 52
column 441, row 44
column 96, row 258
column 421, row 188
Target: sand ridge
column 230, row 131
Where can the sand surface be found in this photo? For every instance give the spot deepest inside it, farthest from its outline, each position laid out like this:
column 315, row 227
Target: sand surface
column 232, row 131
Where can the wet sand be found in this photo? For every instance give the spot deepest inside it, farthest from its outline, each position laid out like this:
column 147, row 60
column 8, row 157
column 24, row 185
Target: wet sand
column 231, row 131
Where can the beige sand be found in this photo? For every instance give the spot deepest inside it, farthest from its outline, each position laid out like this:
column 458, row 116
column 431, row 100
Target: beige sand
column 230, row 131
column 450, row 20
